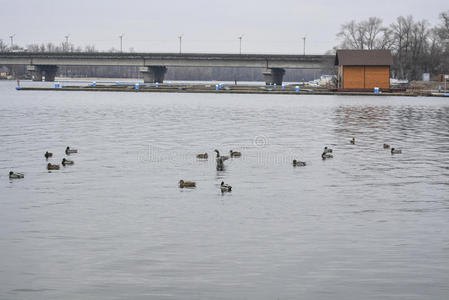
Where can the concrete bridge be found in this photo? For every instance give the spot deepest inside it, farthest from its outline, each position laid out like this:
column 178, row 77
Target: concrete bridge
column 154, row 65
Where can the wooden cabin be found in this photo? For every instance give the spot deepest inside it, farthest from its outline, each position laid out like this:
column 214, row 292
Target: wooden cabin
column 363, row 69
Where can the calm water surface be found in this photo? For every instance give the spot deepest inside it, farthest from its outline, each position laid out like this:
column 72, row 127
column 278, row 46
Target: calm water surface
column 363, row 225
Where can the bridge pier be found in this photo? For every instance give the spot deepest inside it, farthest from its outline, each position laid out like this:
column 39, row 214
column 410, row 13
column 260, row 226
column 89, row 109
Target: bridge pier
column 38, row 72
column 273, row 75
column 153, row 74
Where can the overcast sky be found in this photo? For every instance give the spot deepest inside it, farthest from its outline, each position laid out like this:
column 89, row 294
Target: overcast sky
column 206, row 25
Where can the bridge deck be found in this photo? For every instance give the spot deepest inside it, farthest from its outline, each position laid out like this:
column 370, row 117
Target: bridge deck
column 169, row 59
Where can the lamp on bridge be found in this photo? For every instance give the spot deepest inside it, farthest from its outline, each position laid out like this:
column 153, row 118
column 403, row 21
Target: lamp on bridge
column 180, row 43
column 240, row 38
column 11, row 37
column 121, row 42
column 67, row 42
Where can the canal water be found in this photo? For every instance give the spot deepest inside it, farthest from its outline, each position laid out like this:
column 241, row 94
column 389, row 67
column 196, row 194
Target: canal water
column 363, row 225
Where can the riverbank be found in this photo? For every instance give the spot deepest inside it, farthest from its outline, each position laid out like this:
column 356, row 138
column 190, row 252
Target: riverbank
column 222, row 89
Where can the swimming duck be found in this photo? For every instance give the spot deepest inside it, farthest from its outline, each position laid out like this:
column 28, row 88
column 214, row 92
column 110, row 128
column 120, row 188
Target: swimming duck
column 297, row 163
column 224, row 157
column 202, row 156
column 352, row 141
column 326, row 155
column 70, row 151
column 52, row 167
column 220, row 161
column 67, row 162
column 386, row 146
column 13, row 175
column 327, row 150
column 186, row 184
column 396, row 151
column 48, row 154
column 225, row 187
column 234, row 153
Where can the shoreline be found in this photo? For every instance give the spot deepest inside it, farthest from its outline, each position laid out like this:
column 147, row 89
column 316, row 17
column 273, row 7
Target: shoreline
column 288, row 90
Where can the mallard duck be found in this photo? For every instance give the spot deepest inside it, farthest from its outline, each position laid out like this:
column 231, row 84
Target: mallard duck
column 326, row 155
column 396, row 151
column 352, row 141
column 48, row 154
column 186, row 184
column 235, row 153
column 13, row 175
column 297, row 163
column 52, row 167
column 202, row 156
column 386, row 146
column 70, row 151
column 225, row 187
column 67, row 162
column 327, row 150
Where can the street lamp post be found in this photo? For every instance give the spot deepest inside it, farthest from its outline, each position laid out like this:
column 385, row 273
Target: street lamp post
column 240, row 49
column 11, row 37
column 67, row 43
column 121, row 43
column 180, row 43
column 304, row 45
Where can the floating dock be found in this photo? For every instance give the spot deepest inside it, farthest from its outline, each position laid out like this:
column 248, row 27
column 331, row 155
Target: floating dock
column 220, row 89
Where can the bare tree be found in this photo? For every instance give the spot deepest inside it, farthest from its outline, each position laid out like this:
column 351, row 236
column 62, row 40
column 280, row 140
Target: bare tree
column 350, row 36
column 444, row 16
column 33, row 48
column 372, row 28
column 3, row 46
column 369, row 34
column 90, row 48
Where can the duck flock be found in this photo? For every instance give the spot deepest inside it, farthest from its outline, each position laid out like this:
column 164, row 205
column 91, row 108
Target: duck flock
column 50, row 166
column 220, row 159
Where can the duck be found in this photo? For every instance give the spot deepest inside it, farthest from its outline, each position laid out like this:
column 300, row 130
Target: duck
column 67, row 162
column 235, row 153
column 48, row 154
column 352, row 141
column 52, row 167
column 396, row 151
column 224, row 157
column 13, row 175
column 202, row 156
column 327, row 150
column 225, row 187
column 297, row 163
column 326, row 155
column 186, row 184
column 220, row 161
column 386, row 146
column 70, row 151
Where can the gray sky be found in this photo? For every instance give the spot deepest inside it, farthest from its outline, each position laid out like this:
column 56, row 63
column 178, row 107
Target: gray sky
column 207, row 26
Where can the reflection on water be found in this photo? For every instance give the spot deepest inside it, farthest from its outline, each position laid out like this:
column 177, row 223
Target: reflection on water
column 363, row 225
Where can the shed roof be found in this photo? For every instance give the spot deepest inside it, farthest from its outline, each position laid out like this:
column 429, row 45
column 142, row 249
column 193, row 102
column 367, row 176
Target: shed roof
column 363, row 58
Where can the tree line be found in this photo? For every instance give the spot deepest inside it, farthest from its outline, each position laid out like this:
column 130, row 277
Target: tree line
column 417, row 47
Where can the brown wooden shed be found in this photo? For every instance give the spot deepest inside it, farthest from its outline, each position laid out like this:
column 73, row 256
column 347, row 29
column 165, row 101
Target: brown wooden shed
column 363, row 69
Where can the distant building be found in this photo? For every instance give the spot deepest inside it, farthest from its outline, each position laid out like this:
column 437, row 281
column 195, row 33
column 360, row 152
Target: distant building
column 363, row 69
